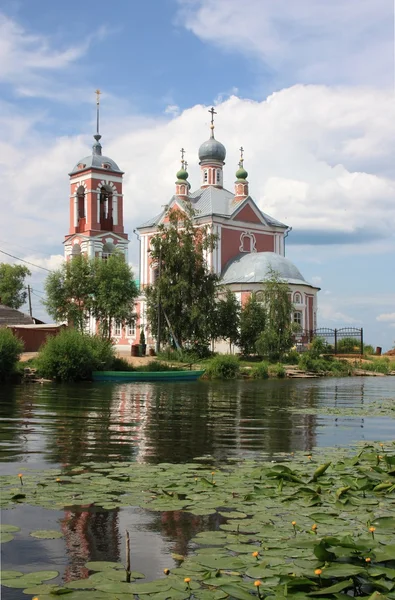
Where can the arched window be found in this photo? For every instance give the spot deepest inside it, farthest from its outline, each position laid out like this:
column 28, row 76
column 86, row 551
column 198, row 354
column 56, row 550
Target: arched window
column 218, row 175
column 260, row 297
column 108, row 249
column 76, row 250
column 205, row 176
column 106, row 208
column 297, row 298
column 81, row 202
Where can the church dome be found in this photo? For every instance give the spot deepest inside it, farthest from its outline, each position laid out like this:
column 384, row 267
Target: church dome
column 212, row 150
column 96, row 160
column 255, row 267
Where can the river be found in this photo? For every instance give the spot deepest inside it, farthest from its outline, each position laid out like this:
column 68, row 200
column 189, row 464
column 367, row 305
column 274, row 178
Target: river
column 44, row 426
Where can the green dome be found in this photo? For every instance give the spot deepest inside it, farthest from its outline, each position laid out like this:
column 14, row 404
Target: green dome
column 182, row 174
column 241, row 173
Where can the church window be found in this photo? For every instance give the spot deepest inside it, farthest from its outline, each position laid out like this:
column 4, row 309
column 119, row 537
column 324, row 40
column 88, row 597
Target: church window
column 218, row 176
column 259, row 297
column 205, row 177
column 132, row 330
column 81, row 202
column 297, row 298
column 108, row 249
column 298, row 319
column 76, row 250
column 117, row 329
column 106, row 208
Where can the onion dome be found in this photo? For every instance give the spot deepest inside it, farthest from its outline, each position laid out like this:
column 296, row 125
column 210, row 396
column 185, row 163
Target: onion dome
column 96, row 160
column 241, row 173
column 212, row 150
column 182, row 174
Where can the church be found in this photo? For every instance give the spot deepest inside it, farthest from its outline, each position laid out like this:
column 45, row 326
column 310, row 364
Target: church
column 250, row 242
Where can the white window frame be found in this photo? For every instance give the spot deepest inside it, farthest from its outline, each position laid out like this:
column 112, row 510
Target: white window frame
column 132, row 330
column 117, row 329
column 298, row 298
column 299, row 320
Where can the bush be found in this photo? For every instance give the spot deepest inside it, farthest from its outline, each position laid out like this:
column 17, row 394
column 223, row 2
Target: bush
column 323, row 365
column 11, row 349
column 120, row 364
column 72, row 356
column 381, row 365
column 348, row 345
column 224, row 366
column 260, row 371
column 156, row 365
column 172, row 355
column 368, row 349
column 292, row 357
column 277, row 370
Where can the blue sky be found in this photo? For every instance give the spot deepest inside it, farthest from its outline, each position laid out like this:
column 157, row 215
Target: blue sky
column 306, row 87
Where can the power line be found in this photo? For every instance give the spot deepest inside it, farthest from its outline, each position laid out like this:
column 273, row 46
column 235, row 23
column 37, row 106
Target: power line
column 26, row 261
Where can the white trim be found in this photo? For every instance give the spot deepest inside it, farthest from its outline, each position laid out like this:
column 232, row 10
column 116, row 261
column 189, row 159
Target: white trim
column 96, row 176
column 75, row 211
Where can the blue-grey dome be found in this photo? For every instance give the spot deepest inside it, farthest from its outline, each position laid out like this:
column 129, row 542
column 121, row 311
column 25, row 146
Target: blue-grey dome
column 255, row 267
column 212, row 150
column 96, row 160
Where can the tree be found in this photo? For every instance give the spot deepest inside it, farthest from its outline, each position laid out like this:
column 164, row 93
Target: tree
column 252, row 323
column 103, row 288
column 115, row 292
column 279, row 333
column 12, row 285
column 227, row 318
column 69, row 292
column 182, row 297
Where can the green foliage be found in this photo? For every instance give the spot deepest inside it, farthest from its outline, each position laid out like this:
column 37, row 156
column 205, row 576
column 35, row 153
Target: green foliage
column 185, row 288
column 260, row 371
column 227, row 318
column 121, row 364
column 103, row 288
column 183, row 356
column 278, row 336
column 12, row 285
column 142, row 337
column 348, row 345
column 69, row 291
column 368, row 349
column 309, row 362
column 72, row 356
column 252, row 323
column 157, row 365
column 11, row 349
column 224, row 366
column 318, row 347
column 379, row 365
column 292, row 357
column 115, row 292
column 277, row 370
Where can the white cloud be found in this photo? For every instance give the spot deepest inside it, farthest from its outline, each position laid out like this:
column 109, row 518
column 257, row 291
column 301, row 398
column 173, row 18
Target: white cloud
column 172, row 109
column 385, row 317
column 302, row 40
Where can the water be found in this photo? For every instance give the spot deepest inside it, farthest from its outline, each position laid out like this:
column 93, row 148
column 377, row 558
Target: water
column 56, row 425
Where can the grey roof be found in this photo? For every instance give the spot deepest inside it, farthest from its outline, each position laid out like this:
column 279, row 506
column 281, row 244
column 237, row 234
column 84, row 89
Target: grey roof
column 212, row 200
column 255, row 267
column 96, row 160
column 212, row 149
column 11, row 316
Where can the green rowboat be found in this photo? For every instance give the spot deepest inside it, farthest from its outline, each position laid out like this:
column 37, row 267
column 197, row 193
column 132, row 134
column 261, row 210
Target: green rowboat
column 136, row 376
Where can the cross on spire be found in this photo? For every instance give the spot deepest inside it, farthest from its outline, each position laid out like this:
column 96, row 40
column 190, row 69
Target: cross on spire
column 212, row 111
column 241, row 161
column 97, row 92
column 182, row 157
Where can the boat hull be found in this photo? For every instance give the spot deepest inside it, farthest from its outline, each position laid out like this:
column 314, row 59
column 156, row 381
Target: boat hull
column 136, row 376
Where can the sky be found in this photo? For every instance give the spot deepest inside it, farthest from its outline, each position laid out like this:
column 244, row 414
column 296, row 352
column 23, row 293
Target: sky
column 307, row 87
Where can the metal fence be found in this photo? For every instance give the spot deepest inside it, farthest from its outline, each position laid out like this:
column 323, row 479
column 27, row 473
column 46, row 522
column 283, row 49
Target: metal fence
column 346, row 340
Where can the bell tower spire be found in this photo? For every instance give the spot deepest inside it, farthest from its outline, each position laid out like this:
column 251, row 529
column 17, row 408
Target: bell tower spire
column 241, row 183
column 212, row 158
column 96, row 203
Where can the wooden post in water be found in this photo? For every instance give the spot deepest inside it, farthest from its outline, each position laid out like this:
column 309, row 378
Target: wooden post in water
column 127, row 557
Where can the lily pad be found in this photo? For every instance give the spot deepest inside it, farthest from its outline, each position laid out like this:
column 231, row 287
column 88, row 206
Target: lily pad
column 46, row 534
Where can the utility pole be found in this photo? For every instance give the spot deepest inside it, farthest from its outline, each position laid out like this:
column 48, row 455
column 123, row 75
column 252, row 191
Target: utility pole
column 30, row 300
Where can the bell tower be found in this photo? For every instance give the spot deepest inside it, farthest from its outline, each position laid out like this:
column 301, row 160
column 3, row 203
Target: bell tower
column 96, row 204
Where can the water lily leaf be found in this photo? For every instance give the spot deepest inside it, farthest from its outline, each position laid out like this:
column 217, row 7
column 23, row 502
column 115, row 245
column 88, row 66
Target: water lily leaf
column 236, row 592
column 341, row 570
column 6, row 537
column 43, row 588
column 30, row 579
column 10, row 575
column 46, row 534
column 333, row 589
column 159, row 585
column 8, row 528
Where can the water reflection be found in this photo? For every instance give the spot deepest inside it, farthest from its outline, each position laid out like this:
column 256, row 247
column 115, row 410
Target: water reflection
column 174, row 422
